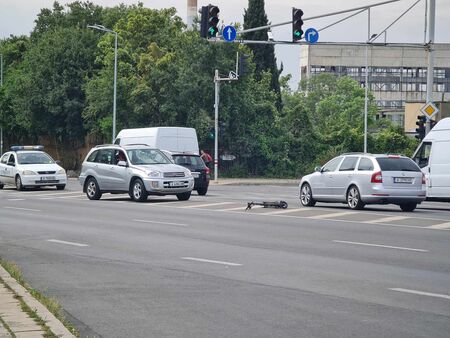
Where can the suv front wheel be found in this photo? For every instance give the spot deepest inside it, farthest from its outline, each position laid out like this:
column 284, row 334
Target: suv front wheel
column 184, row 196
column 137, row 191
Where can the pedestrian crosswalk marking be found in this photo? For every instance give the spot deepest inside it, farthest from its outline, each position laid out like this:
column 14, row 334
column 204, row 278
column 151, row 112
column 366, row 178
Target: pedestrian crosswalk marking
column 441, row 226
column 388, row 219
column 335, row 214
column 206, row 205
column 286, row 211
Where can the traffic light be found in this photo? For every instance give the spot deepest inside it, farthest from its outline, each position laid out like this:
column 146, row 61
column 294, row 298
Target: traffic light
column 432, row 124
column 242, row 64
column 209, row 21
column 420, row 130
column 297, row 23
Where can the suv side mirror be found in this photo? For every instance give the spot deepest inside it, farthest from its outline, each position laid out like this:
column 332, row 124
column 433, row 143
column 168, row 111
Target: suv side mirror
column 318, row 169
column 122, row 164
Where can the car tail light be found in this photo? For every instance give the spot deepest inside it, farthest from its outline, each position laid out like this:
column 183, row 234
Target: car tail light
column 207, row 171
column 377, row 177
column 423, row 179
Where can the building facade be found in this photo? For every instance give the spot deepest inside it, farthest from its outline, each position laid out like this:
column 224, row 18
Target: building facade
column 397, row 74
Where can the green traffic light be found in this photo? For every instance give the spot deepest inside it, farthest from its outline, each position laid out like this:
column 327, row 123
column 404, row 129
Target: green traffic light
column 297, row 33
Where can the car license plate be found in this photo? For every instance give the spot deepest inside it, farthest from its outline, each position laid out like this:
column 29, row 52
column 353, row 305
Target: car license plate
column 47, row 178
column 176, row 184
column 195, row 174
column 403, row 179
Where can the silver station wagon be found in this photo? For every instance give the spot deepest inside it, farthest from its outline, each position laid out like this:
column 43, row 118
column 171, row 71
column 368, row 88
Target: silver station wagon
column 359, row 179
column 134, row 169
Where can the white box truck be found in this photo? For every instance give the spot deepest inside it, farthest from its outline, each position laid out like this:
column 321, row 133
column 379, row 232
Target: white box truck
column 433, row 157
column 174, row 139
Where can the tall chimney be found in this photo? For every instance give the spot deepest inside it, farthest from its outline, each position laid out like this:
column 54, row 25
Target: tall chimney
column 191, row 12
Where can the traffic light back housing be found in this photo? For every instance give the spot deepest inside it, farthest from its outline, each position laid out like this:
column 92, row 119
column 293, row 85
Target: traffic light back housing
column 297, row 23
column 242, row 69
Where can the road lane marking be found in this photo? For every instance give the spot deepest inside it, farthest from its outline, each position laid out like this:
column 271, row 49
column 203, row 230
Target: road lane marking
column 16, row 199
column 440, row 226
column 336, row 214
column 56, row 194
column 286, row 211
column 388, row 219
column 381, row 246
column 231, row 209
column 210, row 261
column 65, row 242
column 25, row 209
column 156, row 222
column 206, row 205
column 422, row 293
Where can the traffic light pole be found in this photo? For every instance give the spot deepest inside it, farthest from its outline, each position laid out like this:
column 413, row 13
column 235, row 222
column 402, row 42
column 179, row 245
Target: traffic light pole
column 231, row 77
column 430, row 68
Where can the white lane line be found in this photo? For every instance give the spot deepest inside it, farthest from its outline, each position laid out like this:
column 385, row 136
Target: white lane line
column 210, row 261
column 16, row 199
column 56, row 194
column 25, row 209
column 286, row 211
column 206, row 205
column 422, row 293
column 242, row 208
column 388, row 219
column 440, row 226
column 65, row 242
column 61, row 197
column 381, row 246
column 336, row 214
column 166, row 223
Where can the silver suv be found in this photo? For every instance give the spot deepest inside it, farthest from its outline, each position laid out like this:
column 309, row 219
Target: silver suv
column 359, row 179
column 134, row 169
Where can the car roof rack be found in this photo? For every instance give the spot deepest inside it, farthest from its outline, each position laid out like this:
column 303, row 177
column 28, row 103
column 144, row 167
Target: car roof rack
column 19, row 148
column 105, row 145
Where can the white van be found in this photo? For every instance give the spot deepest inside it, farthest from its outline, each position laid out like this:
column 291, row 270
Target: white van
column 174, row 139
column 433, row 157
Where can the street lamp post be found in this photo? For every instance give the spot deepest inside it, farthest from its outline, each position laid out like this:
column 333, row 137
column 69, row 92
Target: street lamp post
column 104, row 29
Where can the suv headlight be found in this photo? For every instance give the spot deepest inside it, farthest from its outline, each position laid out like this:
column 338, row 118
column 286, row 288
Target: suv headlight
column 187, row 173
column 155, row 174
column 61, row 172
column 28, row 172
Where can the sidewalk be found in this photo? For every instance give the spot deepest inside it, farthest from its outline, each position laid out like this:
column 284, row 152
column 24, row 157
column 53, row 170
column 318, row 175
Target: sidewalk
column 15, row 321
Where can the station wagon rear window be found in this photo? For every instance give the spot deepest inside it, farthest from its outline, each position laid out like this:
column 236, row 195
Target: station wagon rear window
column 397, row 164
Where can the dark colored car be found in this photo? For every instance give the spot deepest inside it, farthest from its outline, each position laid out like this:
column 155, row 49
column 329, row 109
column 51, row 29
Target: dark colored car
column 199, row 170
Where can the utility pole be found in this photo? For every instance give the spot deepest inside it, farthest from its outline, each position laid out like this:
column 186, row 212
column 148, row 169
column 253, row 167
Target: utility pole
column 232, row 76
column 430, row 68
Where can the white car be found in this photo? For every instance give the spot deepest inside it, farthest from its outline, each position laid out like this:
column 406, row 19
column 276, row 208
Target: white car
column 30, row 166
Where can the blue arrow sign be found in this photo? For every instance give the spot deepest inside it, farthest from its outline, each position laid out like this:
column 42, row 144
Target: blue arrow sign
column 311, row 35
column 229, row 33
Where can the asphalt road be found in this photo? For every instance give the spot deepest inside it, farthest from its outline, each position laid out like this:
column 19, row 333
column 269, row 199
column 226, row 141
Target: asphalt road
column 208, row 268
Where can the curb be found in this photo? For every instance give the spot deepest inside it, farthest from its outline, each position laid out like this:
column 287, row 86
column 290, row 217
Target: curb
column 50, row 320
column 253, row 181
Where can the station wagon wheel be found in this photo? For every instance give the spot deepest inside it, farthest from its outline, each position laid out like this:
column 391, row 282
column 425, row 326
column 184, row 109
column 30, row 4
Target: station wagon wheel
column 19, row 185
column 354, row 198
column 138, row 191
column 306, row 198
column 1, row 186
column 92, row 189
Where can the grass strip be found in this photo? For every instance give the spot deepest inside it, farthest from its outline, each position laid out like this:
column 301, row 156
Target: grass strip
column 50, row 303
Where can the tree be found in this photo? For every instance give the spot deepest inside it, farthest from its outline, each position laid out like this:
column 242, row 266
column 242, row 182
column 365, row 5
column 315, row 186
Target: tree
column 264, row 55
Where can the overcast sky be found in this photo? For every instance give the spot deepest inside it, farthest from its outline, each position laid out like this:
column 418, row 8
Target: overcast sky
column 17, row 17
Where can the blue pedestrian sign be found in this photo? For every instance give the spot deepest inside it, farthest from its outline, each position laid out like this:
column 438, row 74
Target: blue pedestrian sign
column 229, row 33
column 311, row 35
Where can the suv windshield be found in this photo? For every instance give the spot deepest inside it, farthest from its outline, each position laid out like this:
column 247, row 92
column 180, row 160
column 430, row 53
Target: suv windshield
column 147, row 156
column 397, row 164
column 33, row 158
